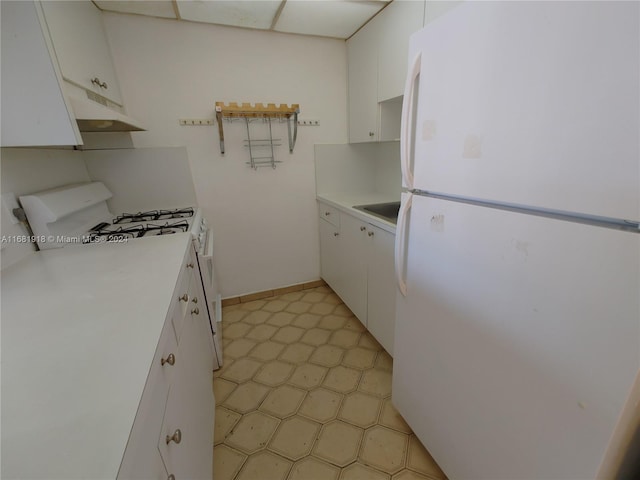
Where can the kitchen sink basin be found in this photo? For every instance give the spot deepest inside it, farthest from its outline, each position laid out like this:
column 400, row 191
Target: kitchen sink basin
column 386, row 211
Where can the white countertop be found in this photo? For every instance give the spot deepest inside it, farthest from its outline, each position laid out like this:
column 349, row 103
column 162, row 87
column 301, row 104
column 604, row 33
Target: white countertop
column 80, row 326
column 346, row 202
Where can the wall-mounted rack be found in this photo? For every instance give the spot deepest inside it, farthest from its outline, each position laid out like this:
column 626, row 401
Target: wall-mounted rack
column 251, row 113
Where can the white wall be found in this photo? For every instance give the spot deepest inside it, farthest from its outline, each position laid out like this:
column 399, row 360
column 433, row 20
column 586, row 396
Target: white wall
column 126, row 174
column 359, row 168
column 265, row 222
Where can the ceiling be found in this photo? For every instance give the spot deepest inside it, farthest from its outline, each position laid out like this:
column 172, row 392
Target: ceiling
column 326, row 18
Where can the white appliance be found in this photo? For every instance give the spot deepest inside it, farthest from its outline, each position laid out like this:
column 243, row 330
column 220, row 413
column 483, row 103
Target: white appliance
column 517, row 246
column 78, row 214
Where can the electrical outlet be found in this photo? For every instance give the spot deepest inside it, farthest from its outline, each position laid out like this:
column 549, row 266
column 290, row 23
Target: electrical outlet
column 195, row 122
column 307, row 122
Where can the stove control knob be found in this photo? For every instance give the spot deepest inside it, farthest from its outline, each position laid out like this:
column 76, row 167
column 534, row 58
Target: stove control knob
column 195, row 300
column 195, row 311
column 184, row 298
column 189, row 265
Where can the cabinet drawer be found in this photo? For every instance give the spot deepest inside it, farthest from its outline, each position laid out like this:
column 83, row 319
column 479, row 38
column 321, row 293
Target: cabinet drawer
column 330, row 214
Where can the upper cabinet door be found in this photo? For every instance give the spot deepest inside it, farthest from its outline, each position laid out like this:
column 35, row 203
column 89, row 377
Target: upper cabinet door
column 400, row 20
column 81, row 47
column 362, row 52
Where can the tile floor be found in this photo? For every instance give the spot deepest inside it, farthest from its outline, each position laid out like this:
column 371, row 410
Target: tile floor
column 305, row 394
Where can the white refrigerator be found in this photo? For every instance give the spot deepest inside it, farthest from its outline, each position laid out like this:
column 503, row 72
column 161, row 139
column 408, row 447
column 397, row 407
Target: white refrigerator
column 517, row 337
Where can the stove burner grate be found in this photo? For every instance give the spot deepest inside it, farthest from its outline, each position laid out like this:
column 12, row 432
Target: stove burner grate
column 166, row 229
column 114, row 235
column 154, row 215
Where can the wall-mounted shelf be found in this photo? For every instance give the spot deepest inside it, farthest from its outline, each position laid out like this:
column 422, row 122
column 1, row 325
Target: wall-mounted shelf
column 250, row 113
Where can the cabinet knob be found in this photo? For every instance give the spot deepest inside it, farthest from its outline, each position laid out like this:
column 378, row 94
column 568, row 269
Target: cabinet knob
column 362, row 229
column 196, row 311
column 171, row 477
column 194, row 299
column 370, row 234
column 176, row 437
column 184, row 298
column 326, row 214
column 371, row 134
column 335, row 234
column 189, row 265
column 171, row 359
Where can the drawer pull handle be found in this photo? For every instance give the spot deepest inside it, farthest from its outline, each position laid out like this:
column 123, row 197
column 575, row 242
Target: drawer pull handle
column 176, row 437
column 362, row 229
column 171, row 359
column 196, row 311
column 195, row 300
column 184, row 298
column 326, row 214
column 335, row 234
column 189, row 265
column 96, row 81
column 370, row 234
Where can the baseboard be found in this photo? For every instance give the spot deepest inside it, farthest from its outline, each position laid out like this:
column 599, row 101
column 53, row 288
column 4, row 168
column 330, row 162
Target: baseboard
column 271, row 293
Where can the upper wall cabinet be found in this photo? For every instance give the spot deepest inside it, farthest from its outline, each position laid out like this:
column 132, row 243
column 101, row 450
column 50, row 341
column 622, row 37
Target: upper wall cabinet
column 35, row 110
column 398, row 21
column 58, row 78
column 363, row 84
column 81, row 47
column 377, row 57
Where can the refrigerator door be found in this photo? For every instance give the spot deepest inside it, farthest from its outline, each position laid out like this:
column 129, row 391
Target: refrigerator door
column 517, row 343
column 533, row 103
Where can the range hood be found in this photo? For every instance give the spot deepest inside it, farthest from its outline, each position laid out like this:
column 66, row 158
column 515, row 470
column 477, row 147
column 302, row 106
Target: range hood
column 95, row 117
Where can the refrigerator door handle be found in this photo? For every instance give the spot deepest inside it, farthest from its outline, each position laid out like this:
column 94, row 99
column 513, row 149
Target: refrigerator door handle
column 400, row 245
column 406, row 126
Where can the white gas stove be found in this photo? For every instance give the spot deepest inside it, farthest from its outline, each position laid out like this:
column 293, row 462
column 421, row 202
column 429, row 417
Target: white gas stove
column 76, row 215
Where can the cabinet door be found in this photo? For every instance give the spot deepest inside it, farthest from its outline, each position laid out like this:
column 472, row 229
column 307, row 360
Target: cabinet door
column 81, row 46
column 34, row 109
column 330, row 254
column 190, row 406
column 362, row 52
column 397, row 22
column 354, row 246
column 142, row 458
column 381, row 287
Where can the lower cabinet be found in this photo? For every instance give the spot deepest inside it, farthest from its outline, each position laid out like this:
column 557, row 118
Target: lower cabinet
column 357, row 261
column 172, row 436
column 355, row 251
column 381, row 287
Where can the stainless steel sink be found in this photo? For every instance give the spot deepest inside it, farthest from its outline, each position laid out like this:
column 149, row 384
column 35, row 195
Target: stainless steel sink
column 386, row 211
